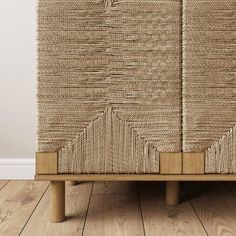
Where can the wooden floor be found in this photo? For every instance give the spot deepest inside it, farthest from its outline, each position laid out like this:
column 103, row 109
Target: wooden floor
column 119, row 209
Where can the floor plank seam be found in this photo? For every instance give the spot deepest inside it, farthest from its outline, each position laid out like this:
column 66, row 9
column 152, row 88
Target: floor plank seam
column 4, row 184
column 91, row 193
column 229, row 190
column 140, row 208
column 189, row 200
column 34, row 209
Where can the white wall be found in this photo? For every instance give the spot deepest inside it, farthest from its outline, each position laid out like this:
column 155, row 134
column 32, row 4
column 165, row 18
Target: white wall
column 17, row 78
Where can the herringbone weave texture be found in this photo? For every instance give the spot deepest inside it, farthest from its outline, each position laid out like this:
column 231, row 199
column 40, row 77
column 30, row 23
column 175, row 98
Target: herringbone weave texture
column 109, row 83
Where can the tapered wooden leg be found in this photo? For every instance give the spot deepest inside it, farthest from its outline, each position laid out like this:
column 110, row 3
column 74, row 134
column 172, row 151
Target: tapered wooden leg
column 57, row 201
column 172, row 193
column 72, row 183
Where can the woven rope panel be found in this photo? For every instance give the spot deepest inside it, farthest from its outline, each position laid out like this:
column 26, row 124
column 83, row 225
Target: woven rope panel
column 109, row 83
column 209, row 82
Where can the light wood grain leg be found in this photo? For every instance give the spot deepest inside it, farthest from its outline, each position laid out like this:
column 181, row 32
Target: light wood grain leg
column 72, row 183
column 57, row 201
column 172, row 193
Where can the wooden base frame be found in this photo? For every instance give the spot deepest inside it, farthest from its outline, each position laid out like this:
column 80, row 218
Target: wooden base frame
column 187, row 167
column 57, row 201
column 136, row 177
column 57, row 198
column 172, row 193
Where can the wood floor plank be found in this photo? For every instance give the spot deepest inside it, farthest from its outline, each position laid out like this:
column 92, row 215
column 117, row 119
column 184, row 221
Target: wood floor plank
column 117, row 187
column 114, row 214
column 3, row 183
column 231, row 186
column 18, row 199
column 215, row 206
column 77, row 199
column 159, row 219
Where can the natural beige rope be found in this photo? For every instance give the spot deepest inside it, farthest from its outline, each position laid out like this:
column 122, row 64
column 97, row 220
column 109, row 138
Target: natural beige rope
column 220, row 157
column 92, row 149
column 109, row 83
column 110, row 91
column 209, row 82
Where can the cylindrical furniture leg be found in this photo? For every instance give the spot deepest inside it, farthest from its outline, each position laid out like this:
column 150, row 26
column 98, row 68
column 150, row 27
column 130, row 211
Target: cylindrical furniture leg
column 72, row 183
column 57, row 201
column 172, row 193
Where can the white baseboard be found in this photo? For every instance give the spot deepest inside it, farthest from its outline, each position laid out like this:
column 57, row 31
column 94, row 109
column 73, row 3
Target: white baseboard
column 17, row 168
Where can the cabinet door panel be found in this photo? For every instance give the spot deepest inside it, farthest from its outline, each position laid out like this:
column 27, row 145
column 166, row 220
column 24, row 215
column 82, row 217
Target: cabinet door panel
column 209, row 82
column 109, row 83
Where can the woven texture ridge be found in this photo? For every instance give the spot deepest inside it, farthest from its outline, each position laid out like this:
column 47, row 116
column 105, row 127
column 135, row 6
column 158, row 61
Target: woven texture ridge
column 209, row 82
column 109, row 83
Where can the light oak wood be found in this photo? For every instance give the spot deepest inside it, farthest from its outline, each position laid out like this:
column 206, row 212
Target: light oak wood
column 46, row 162
column 114, row 214
column 72, row 183
column 159, row 219
column 215, row 206
column 57, row 201
column 77, row 200
column 108, row 187
column 193, row 163
column 172, row 193
column 231, row 186
column 18, row 200
column 171, row 163
column 3, row 183
column 137, row 177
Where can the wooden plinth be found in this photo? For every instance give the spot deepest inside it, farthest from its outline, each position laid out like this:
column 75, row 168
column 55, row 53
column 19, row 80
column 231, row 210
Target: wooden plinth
column 136, row 177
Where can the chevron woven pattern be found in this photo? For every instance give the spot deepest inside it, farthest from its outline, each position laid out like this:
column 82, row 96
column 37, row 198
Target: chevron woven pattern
column 109, row 83
column 120, row 81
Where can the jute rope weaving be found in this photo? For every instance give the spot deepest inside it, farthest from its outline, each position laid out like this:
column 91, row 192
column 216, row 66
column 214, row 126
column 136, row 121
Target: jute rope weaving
column 120, row 81
column 209, row 82
column 109, row 84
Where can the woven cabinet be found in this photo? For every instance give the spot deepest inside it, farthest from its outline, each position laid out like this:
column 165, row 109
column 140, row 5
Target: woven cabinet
column 135, row 90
